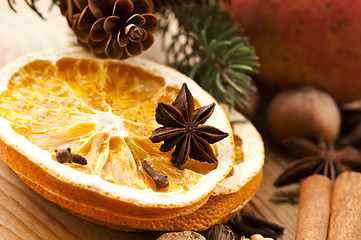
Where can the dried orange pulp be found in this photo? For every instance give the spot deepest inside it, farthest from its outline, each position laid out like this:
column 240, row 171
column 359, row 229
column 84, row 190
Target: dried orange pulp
column 236, row 190
column 103, row 110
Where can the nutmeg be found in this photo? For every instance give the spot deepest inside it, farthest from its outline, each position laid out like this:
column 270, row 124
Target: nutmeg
column 220, row 231
column 303, row 112
column 184, row 235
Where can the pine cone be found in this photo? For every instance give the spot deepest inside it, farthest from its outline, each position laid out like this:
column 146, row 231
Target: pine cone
column 116, row 29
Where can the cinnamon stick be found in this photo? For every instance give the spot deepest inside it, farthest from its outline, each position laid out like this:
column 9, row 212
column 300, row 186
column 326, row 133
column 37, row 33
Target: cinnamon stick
column 314, row 208
column 345, row 222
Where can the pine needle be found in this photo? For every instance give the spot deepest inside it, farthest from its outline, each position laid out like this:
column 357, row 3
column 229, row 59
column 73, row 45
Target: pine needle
column 31, row 4
column 221, row 60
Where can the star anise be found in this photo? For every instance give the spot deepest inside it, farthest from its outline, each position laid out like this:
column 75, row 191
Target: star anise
column 183, row 128
column 321, row 159
column 351, row 123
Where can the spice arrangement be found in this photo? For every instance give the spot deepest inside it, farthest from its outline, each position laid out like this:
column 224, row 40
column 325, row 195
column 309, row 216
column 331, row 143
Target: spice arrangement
column 127, row 182
column 321, row 168
column 315, row 123
column 313, row 111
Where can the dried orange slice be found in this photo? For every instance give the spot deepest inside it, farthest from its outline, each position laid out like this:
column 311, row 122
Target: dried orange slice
column 236, row 190
column 104, row 111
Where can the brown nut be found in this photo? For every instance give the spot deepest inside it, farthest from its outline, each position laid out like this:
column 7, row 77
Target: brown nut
column 185, row 235
column 303, row 112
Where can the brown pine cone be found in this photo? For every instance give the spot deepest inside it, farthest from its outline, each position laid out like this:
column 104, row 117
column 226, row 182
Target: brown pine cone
column 116, row 29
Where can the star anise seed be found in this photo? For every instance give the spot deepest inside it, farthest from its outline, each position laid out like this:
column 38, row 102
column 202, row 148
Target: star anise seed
column 322, row 159
column 183, row 129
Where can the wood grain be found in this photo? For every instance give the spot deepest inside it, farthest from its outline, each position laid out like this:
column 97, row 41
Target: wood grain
column 26, row 215
column 284, row 214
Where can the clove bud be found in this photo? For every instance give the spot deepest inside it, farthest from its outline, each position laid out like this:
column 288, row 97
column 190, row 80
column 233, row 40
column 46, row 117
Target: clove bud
column 65, row 156
column 255, row 226
column 160, row 180
column 251, row 220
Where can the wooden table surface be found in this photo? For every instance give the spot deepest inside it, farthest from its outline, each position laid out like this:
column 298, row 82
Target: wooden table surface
column 26, row 215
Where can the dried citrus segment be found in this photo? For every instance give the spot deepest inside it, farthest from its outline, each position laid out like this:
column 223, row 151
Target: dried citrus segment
column 103, row 110
column 227, row 199
column 230, row 195
column 59, row 115
column 113, row 86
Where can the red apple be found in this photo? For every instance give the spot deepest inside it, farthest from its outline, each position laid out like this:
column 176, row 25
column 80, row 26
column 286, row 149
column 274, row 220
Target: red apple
column 314, row 42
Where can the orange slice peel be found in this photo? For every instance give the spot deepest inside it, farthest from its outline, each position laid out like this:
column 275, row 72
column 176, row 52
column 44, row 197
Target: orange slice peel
column 104, row 111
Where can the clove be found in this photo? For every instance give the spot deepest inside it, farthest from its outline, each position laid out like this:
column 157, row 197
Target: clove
column 160, row 180
column 238, row 225
column 252, row 220
column 65, row 156
column 291, row 200
column 76, row 158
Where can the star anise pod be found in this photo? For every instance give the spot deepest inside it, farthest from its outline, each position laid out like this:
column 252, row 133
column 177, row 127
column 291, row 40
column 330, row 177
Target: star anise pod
column 182, row 128
column 321, row 159
column 116, row 29
column 351, row 123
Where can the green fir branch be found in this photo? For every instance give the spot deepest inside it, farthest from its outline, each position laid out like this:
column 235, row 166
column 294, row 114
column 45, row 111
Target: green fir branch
column 209, row 48
column 31, row 4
